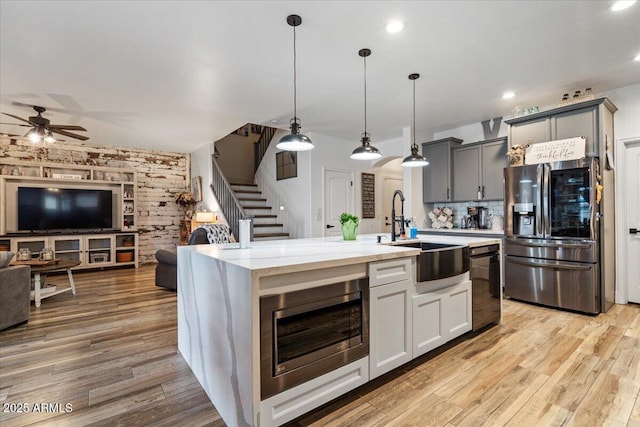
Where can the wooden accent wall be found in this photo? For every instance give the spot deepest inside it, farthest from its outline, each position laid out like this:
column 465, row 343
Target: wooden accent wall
column 160, row 176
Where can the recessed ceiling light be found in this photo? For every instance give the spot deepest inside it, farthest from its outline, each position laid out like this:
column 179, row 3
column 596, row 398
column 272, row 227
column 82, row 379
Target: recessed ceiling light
column 394, row 27
column 637, row 57
column 622, row 5
column 508, row 95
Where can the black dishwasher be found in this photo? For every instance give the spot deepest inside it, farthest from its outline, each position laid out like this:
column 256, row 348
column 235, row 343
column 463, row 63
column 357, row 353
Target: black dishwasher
column 485, row 278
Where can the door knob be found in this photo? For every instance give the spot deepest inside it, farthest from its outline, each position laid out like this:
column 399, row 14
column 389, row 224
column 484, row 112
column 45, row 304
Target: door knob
column 633, row 231
column 330, row 226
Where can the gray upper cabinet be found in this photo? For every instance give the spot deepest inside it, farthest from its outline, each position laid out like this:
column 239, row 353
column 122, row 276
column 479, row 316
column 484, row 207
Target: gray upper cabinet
column 569, row 121
column 535, row 131
column 494, row 160
column 477, row 170
column 581, row 122
column 436, row 177
column 466, row 173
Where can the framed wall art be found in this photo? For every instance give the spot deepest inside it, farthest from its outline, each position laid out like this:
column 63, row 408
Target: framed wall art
column 368, row 195
column 286, row 165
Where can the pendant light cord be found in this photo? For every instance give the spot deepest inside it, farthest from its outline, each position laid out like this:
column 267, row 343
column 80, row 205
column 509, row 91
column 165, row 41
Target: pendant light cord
column 413, row 143
column 295, row 113
column 365, row 95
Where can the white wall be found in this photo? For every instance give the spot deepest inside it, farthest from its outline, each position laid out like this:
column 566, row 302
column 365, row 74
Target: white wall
column 201, row 166
column 626, row 125
column 470, row 133
column 293, row 194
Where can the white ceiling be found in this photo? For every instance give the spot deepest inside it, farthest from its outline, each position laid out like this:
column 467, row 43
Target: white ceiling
column 174, row 75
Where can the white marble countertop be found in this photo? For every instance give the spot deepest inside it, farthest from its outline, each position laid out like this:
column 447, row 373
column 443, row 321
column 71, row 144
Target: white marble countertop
column 477, row 231
column 284, row 256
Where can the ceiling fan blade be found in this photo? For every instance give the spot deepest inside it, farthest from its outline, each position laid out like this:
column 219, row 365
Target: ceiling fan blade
column 16, row 117
column 16, row 124
column 22, row 104
column 66, row 127
column 69, row 134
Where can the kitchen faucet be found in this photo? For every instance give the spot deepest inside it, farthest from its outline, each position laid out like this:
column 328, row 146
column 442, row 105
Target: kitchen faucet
column 393, row 215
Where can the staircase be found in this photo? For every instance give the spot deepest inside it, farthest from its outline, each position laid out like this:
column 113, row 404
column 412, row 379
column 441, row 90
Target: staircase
column 265, row 225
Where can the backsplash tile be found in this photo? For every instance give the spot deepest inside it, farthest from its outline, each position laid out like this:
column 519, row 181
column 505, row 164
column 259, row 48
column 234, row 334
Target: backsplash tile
column 496, row 208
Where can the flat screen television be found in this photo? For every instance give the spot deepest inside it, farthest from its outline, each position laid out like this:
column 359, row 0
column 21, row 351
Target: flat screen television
column 44, row 209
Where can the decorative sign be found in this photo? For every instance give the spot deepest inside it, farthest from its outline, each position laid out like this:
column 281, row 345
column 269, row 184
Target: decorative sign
column 368, row 195
column 491, row 133
column 556, row 151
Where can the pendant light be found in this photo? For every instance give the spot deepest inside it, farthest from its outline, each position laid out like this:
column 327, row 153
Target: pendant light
column 416, row 159
column 366, row 151
column 295, row 141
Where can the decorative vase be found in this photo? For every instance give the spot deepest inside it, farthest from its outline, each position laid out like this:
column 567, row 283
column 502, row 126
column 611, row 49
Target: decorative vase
column 349, row 230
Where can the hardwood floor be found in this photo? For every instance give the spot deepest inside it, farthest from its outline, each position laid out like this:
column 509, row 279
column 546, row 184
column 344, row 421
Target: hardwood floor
column 111, row 352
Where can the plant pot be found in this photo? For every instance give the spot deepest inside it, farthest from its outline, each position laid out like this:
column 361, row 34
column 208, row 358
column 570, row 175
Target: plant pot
column 349, row 230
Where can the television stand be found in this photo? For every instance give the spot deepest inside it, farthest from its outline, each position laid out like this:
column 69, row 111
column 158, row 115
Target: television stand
column 89, row 250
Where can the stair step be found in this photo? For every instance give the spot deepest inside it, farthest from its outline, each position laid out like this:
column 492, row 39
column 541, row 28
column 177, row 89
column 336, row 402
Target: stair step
column 268, row 229
column 248, row 192
column 270, row 236
column 257, row 207
column 244, row 187
column 275, row 224
column 249, row 199
column 243, row 184
column 259, row 220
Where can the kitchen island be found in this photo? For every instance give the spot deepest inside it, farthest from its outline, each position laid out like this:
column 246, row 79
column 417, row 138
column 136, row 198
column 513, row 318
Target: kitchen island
column 219, row 291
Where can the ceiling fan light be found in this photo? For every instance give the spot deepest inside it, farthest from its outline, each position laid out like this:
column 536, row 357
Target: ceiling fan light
column 34, row 135
column 49, row 138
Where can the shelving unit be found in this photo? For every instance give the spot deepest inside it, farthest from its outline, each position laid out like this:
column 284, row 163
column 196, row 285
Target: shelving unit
column 93, row 250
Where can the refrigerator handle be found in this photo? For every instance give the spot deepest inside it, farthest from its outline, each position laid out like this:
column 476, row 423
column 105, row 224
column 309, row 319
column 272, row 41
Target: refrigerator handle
column 551, row 265
column 542, row 215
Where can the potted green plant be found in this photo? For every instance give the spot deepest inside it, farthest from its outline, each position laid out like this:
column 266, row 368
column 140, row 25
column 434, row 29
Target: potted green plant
column 349, row 225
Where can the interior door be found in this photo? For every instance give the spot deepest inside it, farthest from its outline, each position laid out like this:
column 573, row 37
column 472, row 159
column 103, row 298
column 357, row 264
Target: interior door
column 338, row 198
column 389, row 185
column 632, row 168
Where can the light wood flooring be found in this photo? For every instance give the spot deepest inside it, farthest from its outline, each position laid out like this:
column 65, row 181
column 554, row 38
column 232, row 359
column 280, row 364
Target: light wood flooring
column 111, row 352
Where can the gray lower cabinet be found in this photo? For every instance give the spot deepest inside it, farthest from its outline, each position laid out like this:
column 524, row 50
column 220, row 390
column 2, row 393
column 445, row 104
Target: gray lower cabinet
column 436, row 178
column 582, row 119
column 477, row 170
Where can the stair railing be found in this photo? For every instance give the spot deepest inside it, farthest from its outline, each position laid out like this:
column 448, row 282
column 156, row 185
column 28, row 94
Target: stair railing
column 231, row 207
column 261, row 145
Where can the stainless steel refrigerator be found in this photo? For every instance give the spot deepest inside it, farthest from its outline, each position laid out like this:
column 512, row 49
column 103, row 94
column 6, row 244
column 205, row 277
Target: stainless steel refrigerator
column 552, row 231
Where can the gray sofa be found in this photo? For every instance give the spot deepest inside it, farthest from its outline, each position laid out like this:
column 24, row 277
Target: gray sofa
column 167, row 268
column 15, row 295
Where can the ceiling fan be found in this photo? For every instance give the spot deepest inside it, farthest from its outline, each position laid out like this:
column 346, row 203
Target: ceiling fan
column 42, row 129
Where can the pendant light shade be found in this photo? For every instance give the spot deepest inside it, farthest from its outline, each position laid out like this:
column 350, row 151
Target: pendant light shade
column 415, row 160
column 295, row 141
column 366, row 151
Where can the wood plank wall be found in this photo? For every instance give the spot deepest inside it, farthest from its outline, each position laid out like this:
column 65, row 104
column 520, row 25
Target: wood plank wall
column 160, row 176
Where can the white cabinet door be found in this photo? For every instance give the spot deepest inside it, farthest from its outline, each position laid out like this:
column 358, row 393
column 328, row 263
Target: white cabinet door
column 440, row 316
column 428, row 323
column 390, row 341
column 458, row 310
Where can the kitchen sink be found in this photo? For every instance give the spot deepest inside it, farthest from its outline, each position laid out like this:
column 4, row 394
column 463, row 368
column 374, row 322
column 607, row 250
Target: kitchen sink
column 439, row 260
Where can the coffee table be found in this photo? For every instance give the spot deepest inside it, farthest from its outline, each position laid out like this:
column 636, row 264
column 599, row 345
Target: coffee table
column 38, row 270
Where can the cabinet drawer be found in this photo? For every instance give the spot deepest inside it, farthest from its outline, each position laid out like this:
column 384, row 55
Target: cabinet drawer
column 396, row 270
